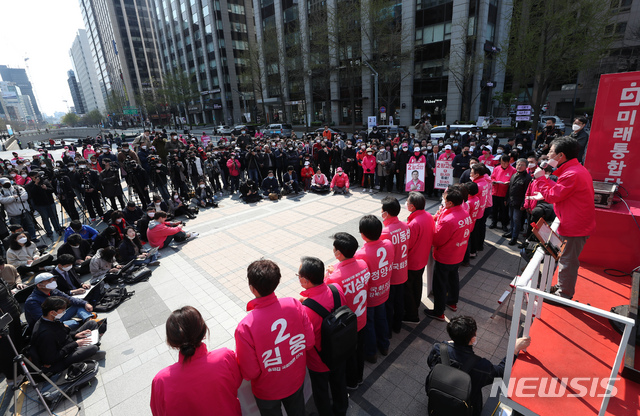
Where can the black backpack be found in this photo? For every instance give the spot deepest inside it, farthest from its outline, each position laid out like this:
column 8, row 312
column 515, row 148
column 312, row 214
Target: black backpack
column 112, row 299
column 74, row 378
column 140, row 274
column 449, row 388
column 339, row 330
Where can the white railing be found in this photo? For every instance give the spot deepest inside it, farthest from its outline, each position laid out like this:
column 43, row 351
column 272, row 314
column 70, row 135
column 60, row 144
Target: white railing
column 526, row 285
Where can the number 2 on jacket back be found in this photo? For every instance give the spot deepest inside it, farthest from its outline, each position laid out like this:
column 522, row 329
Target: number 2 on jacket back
column 296, row 344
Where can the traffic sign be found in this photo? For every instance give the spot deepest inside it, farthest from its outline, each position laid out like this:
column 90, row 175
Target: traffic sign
column 383, row 110
column 131, row 112
column 523, row 112
column 523, row 118
column 524, row 107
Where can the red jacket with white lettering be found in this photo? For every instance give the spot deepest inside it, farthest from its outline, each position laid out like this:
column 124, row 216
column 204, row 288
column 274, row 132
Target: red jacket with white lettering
column 501, row 175
column 447, row 155
column 379, row 257
column 323, row 295
column 474, row 207
column 398, row 233
column 451, row 236
column 421, row 224
column 572, row 199
column 340, row 181
column 271, row 345
column 352, row 275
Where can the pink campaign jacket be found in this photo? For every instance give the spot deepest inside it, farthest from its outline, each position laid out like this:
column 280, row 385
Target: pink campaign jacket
column 572, row 199
column 501, row 175
column 323, row 295
column 421, row 238
column 369, row 164
column 451, row 236
column 191, row 388
column 379, row 257
column 474, row 207
column 340, row 181
column 234, row 167
column 158, row 232
column 352, row 275
column 398, row 233
column 271, row 345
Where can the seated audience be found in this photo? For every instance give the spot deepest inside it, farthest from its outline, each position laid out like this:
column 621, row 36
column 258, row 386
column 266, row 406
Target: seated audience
column 131, row 249
column 132, row 213
column 23, row 252
column 161, row 233
column 76, row 227
column 104, row 262
column 340, row 183
column 319, row 183
column 270, row 184
column 80, row 249
column 66, row 277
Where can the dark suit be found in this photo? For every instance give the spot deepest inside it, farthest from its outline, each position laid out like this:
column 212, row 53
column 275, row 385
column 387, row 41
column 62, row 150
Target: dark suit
column 85, row 250
column 63, row 285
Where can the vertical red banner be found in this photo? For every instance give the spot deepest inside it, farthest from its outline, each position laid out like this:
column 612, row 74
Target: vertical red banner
column 613, row 152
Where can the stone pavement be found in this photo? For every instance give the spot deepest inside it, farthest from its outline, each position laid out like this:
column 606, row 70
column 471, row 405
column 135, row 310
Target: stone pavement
column 209, row 273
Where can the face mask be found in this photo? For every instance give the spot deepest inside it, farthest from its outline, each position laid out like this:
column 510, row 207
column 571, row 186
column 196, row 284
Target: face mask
column 119, row 220
column 494, row 136
column 472, row 148
column 363, row 147
column 158, row 164
column 59, row 316
column 130, row 237
column 340, row 173
column 13, row 175
column 143, row 147
column 22, row 240
column 576, row 127
column 529, row 132
column 499, row 151
column 202, row 185
column 519, row 147
column 455, row 145
column 72, row 168
column 151, row 214
column 553, row 163
column 51, row 285
column 531, row 165
column 349, row 146
column 82, row 167
column 270, row 176
column 176, row 197
column 404, row 149
column 24, row 175
column 395, row 149
column 67, row 268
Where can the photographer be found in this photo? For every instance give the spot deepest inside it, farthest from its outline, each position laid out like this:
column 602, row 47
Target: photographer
column 178, row 176
column 159, row 176
column 204, row 195
column 138, row 180
column 213, row 171
column 41, row 195
column 14, row 199
column 423, row 127
column 64, row 191
column 111, row 187
column 89, row 183
column 547, row 135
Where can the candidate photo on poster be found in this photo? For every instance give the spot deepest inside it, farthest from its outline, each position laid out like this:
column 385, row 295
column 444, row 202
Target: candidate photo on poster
column 415, row 177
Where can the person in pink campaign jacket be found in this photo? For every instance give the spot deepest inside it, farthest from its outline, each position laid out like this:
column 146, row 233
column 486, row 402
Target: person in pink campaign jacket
column 369, row 164
column 475, row 212
column 480, row 177
column 398, row 233
column 449, row 245
column 486, row 157
column 421, row 227
column 201, row 378
column 500, row 178
column 378, row 254
column 448, row 154
column 340, row 183
column 323, row 378
column 272, row 343
column 234, row 172
column 572, row 199
column 352, row 275
column 161, row 234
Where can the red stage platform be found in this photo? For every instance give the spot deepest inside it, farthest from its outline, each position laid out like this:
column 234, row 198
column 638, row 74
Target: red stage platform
column 570, row 343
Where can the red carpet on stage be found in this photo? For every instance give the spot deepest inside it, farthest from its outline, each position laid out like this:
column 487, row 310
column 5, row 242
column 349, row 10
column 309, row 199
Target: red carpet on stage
column 567, row 342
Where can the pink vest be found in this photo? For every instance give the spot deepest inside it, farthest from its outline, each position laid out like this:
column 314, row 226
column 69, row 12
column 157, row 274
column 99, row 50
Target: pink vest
column 379, row 257
column 398, row 233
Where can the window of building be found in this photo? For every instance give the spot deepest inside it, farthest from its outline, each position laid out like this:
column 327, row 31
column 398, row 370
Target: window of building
column 205, row 11
column 235, row 8
column 207, row 29
column 221, row 42
column 616, row 29
column 427, row 4
column 433, row 33
column 620, row 6
column 242, row 45
column 491, row 31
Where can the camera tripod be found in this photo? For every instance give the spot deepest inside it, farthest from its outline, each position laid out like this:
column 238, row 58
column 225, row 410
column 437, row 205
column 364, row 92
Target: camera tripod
column 22, row 361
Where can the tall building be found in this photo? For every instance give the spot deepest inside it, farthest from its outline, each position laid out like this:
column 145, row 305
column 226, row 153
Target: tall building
column 16, row 105
column 21, row 79
column 86, row 74
column 76, row 93
column 121, row 38
column 209, row 39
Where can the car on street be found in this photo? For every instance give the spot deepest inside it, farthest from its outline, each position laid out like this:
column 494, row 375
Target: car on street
column 281, row 129
column 438, row 132
column 224, row 129
column 237, row 129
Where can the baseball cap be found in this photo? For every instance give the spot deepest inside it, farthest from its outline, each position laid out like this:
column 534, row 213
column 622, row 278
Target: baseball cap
column 42, row 277
column 447, row 147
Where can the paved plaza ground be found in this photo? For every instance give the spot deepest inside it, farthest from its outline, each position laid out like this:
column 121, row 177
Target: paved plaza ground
column 209, row 273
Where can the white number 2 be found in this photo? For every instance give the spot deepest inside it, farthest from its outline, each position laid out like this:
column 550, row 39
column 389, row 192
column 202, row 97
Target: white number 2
column 360, row 298
column 404, row 251
column 383, row 262
column 282, row 323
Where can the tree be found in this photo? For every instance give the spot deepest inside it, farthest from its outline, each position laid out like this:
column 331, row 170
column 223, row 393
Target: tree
column 179, row 91
column 92, row 118
column 551, row 41
column 70, row 119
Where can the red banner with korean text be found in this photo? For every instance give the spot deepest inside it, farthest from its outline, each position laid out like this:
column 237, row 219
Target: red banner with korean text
column 613, row 151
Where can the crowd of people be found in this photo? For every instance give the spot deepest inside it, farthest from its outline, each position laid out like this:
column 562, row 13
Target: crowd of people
column 172, row 175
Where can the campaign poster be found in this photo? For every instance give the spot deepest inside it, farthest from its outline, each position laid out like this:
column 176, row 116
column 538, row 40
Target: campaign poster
column 415, row 177
column 205, row 140
column 444, row 174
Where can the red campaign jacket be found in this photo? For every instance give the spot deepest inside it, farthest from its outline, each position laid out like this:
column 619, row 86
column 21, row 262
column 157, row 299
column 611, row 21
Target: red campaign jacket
column 306, row 172
column 340, row 181
column 379, row 258
column 487, row 159
column 271, row 345
column 501, row 175
column 572, row 199
column 451, row 236
column 421, row 238
column 446, row 156
column 369, row 164
column 398, row 233
column 234, row 167
column 474, row 207
column 323, row 295
column 352, row 275
column 174, row 392
column 420, row 159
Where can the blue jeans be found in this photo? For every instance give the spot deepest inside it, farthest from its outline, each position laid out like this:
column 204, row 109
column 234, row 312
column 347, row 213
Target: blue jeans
column 75, row 311
column 147, row 260
column 515, row 216
column 49, row 217
column 253, row 174
column 376, row 332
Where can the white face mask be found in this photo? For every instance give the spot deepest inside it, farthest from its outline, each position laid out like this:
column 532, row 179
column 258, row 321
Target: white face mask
column 519, row 147
column 59, row 316
column 576, row 127
column 553, row 163
column 151, row 214
column 395, row 149
column 532, row 165
column 130, row 237
column 499, row 151
column 51, row 285
column 22, row 240
column 176, row 197
column 67, row 268
column 119, row 220
column 202, row 185
column 143, row 147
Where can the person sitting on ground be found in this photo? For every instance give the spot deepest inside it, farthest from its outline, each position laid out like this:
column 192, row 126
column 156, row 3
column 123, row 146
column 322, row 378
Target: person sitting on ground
column 131, row 248
column 249, row 191
column 143, row 223
column 205, row 195
column 178, row 208
column 54, row 346
column 290, row 181
column 80, row 249
column 10, row 275
column 159, row 204
column 161, row 233
column 46, row 286
column 270, row 185
column 132, row 213
column 23, row 252
column 463, row 333
column 118, row 221
column 85, row 231
column 307, row 174
column 13, row 229
column 107, row 237
column 217, row 371
column 66, row 278
column 104, row 262
column 319, row 183
column 340, row 183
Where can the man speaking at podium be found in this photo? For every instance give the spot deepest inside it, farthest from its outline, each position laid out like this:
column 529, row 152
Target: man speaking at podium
column 572, row 199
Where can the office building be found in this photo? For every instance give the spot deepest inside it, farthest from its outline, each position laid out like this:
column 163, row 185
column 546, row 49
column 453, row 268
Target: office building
column 86, row 74
column 76, row 94
column 16, row 105
column 21, row 79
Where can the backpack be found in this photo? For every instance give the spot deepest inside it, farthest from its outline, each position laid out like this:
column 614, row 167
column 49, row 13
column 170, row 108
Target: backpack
column 112, row 298
column 339, row 330
column 141, row 274
column 449, row 388
column 71, row 380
